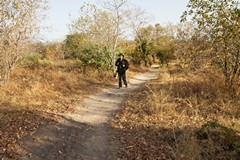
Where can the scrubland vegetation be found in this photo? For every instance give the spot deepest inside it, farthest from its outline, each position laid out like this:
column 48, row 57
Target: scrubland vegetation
column 181, row 115
column 190, row 112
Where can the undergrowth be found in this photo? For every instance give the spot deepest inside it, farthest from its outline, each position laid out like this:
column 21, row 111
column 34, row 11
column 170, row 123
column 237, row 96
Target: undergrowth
column 181, row 115
column 41, row 91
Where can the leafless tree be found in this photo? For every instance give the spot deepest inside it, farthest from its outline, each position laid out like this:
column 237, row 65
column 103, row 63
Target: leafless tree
column 118, row 8
column 18, row 24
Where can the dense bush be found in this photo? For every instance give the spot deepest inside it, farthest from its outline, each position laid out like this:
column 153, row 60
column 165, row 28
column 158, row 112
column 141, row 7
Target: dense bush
column 165, row 56
column 217, row 23
column 153, row 42
column 78, row 47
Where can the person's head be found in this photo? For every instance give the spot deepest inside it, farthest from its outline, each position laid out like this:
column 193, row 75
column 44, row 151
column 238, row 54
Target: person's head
column 121, row 56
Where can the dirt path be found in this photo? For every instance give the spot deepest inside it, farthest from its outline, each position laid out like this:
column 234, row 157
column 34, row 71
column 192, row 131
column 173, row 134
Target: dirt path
column 85, row 134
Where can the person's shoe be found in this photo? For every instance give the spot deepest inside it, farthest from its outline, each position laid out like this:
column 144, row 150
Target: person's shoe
column 119, row 87
column 126, row 85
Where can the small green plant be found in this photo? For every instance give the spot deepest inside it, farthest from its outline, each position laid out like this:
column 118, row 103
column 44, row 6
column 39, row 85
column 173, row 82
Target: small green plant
column 34, row 58
column 228, row 134
column 30, row 60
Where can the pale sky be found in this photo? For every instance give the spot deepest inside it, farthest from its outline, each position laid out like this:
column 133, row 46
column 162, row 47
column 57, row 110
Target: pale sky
column 62, row 12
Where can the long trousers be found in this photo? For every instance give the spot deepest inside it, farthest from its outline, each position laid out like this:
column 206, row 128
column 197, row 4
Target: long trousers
column 122, row 77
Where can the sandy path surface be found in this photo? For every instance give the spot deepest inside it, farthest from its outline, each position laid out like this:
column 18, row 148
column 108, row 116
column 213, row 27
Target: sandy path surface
column 84, row 134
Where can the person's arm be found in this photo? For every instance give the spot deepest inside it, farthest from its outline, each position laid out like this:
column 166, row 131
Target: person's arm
column 117, row 63
column 127, row 65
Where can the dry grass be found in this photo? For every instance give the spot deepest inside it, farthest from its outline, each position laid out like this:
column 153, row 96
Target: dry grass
column 38, row 94
column 134, row 69
column 51, row 89
column 171, row 112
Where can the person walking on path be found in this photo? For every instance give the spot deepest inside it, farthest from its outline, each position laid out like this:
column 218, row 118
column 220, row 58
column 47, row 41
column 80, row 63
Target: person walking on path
column 122, row 65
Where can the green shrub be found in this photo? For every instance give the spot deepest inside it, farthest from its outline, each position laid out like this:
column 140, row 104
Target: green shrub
column 165, row 56
column 77, row 47
column 229, row 136
column 30, row 60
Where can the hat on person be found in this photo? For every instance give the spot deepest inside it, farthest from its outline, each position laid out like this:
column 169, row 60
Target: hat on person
column 121, row 55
